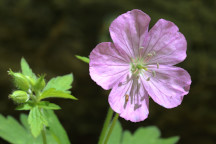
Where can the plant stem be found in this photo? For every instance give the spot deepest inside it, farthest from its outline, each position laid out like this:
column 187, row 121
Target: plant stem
column 111, row 127
column 44, row 135
column 106, row 125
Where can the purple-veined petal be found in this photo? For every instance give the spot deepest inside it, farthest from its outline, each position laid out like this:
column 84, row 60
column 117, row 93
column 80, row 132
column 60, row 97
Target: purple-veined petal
column 107, row 65
column 167, row 42
column 129, row 30
column 168, row 86
column 130, row 100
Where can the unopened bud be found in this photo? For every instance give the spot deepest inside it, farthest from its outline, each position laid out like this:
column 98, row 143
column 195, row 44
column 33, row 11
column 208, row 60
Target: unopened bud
column 19, row 96
column 20, row 80
column 40, row 83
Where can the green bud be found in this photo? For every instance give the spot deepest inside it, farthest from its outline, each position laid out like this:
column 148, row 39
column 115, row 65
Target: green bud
column 31, row 80
column 19, row 96
column 20, row 80
column 40, row 83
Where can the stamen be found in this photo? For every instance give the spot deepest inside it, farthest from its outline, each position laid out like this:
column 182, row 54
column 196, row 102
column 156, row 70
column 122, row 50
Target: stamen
column 149, row 56
column 153, row 73
column 126, row 98
column 157, row 65
column 148, row 79
column 141, row 47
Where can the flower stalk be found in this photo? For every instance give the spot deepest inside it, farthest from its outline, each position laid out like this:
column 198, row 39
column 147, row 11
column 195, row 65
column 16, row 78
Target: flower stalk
column 105, row 126
column 111, row 128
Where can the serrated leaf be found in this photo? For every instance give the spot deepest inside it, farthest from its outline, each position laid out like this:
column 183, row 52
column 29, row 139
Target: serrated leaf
column 11, row 130
column 36, row 120
column 48, row 105
column 82, row 58
column 24, row 121
column 53, row 93
column 147, row 135
column 56, row 130
column 26, row 70
column 61, row 83
column 15, row 133
column 25, row 106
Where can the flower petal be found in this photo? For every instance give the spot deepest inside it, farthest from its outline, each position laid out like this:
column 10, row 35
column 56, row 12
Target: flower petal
column 168, row 86
column 130, row 100
column 167, row 42
column 129, row 30
column 107, row 65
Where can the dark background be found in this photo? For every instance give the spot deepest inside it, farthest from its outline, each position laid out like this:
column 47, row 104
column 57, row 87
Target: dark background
column 49, row 33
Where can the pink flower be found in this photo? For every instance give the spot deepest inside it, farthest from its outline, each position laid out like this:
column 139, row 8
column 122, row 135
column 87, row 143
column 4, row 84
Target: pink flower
column 139, row 63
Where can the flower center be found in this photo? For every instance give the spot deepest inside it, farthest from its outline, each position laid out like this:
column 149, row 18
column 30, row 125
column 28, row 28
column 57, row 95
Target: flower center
column 137, row 66
column 140, row 65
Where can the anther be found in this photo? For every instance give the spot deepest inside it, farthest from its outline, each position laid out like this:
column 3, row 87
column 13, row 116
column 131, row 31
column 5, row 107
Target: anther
column 150, row 54
column 126, row 98
column 141, row 47
column 148, row 79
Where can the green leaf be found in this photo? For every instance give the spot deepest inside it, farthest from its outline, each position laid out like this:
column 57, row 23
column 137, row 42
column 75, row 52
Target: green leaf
column 82, row 58
column 26, row 70
column 55, row 128
column 115, row 137
column 25, row 106
column 147, row 135
column 127, row 137
column 36, row 120
column 150, row 134
column 48, row 105
column 15, row 133
column 11, row 130
column 56, row 94
column 50, row 139
column 61, row 83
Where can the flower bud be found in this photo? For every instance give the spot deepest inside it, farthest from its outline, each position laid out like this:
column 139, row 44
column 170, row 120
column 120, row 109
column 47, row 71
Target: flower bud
column 20, row 80
column 19, row 96
column 39, row 84
column 31, row 80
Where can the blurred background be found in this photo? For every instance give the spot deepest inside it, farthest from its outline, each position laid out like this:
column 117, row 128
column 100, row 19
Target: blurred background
column 49, row 33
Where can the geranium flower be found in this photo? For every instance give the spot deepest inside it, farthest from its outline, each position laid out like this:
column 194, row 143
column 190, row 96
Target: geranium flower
column 140, row 63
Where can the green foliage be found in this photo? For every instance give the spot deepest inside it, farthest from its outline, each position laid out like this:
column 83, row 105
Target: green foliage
column 11, row 130
column 146, row 135
column 55, row 128
column 25, row 106
column 61, row 83
column 36, row 120
column 48, row 105
column 16, row 133
column 26, row 70
column 35, row 90
column 53, row 93
column 82, row 58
